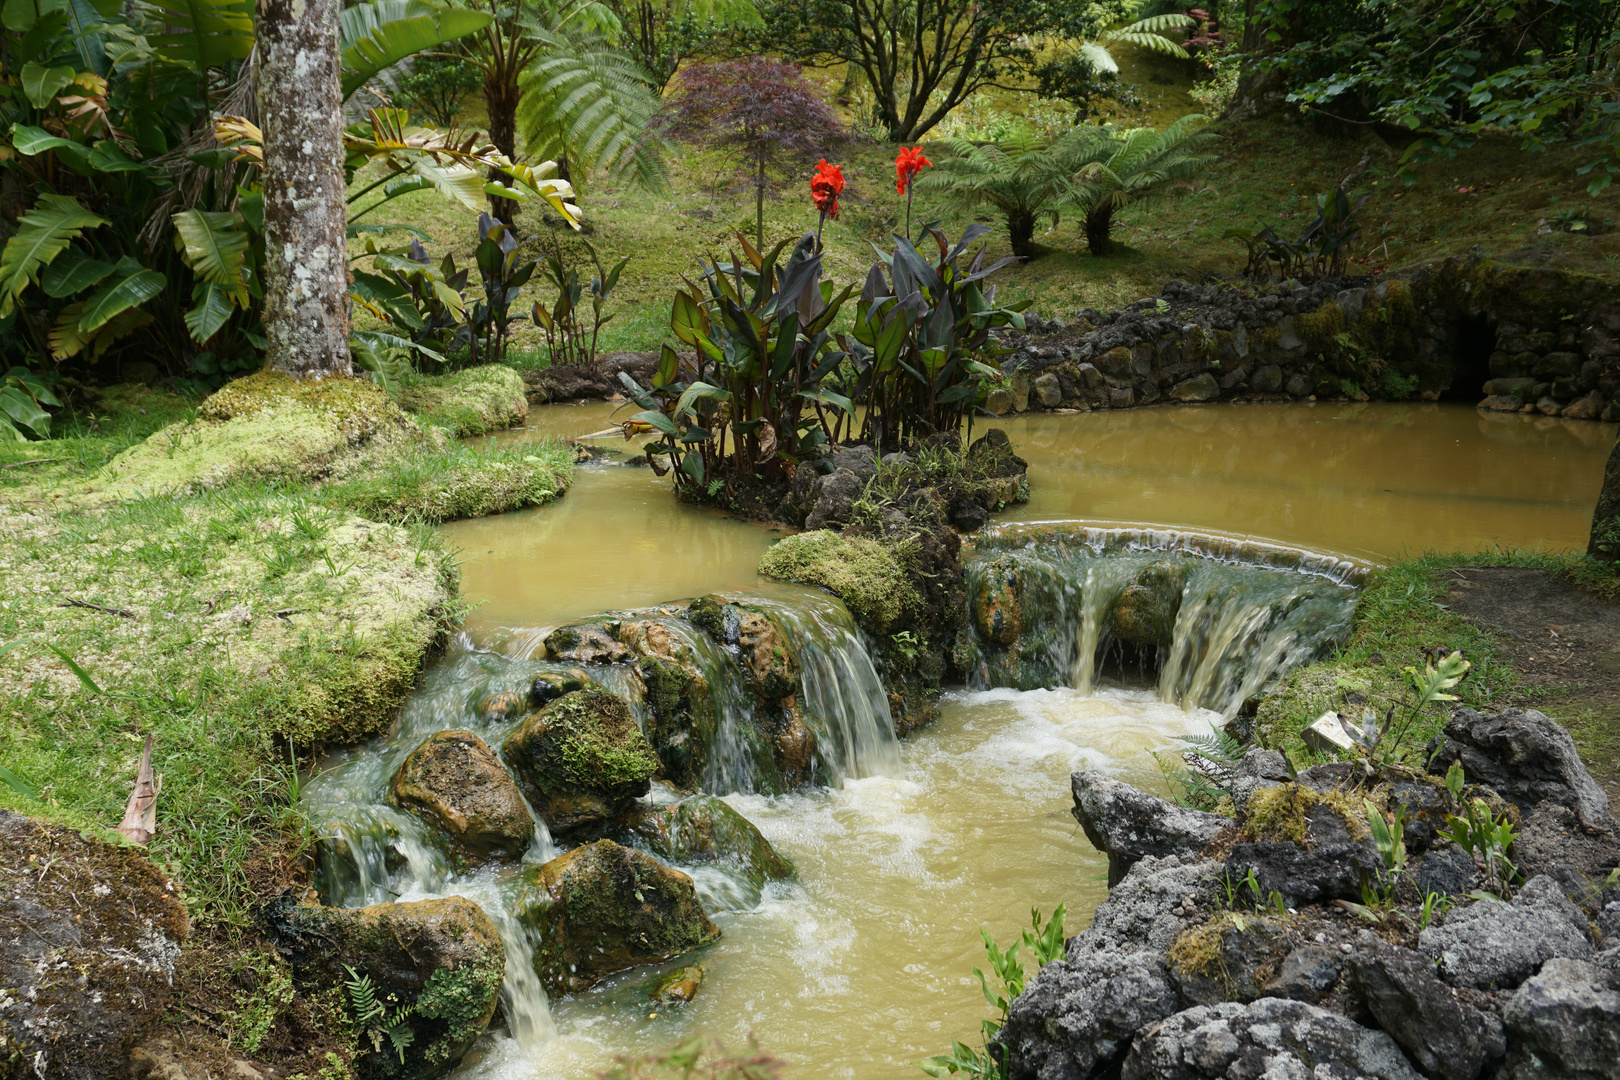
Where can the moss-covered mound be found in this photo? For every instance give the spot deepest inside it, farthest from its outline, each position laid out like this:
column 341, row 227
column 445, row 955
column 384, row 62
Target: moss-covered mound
column 705, row 829
column 865, row 574
column 602, row 908
column 581, row 759
column 473, row 401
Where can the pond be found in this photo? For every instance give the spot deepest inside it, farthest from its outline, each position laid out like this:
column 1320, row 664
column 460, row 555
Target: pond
column 864, row 965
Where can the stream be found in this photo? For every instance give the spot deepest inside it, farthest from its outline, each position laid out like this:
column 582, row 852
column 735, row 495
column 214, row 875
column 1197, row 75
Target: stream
column 863, row 966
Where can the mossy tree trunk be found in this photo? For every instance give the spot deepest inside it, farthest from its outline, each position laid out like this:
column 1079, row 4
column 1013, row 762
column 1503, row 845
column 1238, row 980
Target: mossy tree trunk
column 1605, row 542
column 1021, row 233
column 306, row 296
column 1100, row 227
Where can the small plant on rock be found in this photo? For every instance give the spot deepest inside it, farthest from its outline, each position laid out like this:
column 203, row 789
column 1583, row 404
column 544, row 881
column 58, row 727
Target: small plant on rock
column 375, row 1020
column 1489, row 839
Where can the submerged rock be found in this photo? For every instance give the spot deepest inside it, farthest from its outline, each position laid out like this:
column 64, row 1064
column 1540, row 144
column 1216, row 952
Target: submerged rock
column 603, row 907
column 705, row 829
column 581, row 759
column 442, row 961
column 498, row 707
column 676, row 987
column 90, row 936
column 1271, row 1037
column 551, row 685
column 1129, row 824
column 585, row 644
column 455, row 781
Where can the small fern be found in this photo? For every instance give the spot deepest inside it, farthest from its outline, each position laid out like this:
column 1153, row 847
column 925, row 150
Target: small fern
column 375, row 1020
column 1204, row 776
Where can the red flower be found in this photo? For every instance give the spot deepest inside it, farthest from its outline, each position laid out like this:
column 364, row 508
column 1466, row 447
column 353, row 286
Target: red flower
column 825, row 187
column 907, row 165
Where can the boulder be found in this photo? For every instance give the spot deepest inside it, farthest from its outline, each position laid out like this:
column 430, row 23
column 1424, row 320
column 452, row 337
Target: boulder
column 585, row 644
column 1546, row 406
column 455, row 781
column 1495, row 945
column 833, row 499
column 993, row 453
column 498, row 707
column 1048, row 390
column 682, row 718
column 441, row 961
column 1128, row 824
column 1588, row 407
column 1509, row 386
column 1308, row 974
column 550, row 685
column 1271, row 1038
column 90, row 937
column 1267, row 379
column 1147, row 911
column 1299, row 385
column 705, row 829
column 1227, row 958
column 602, row 908
column 581, row 759
column 1325, row 872
column 1144, row 613
column 1447, row 870
column 1564, row 1024
column 769, row 659
column 1198, row 388
column 1500, row 403
column 1078, row 1016
column 1449, row 1040
column 1259, row 769
column 1524, row 757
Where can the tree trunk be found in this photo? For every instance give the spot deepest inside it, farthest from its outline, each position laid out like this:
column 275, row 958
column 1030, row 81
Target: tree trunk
column 501, row 99
column 306, row 295
column 1099, row 227
column 1021, row 233
column 1605, row 543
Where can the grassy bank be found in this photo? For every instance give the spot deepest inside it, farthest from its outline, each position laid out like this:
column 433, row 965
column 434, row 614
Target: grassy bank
column 1405, row 616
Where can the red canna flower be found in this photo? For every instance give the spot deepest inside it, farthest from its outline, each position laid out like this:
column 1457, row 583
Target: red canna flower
column 825, row 187
column 907, row 165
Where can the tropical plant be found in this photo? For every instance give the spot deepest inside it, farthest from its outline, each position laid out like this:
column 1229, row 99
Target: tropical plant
column 1022, row 177
column 660, row 34
column 1045, row 944
column 1488, row 839
column 1132, row 166
column 568, row 341
column 762, row 111
column 437, row 88
column 907, row 164
column 921, row 358
column 377, row 1021
column 751, row 400
column 22, row 401
column 1382, row 742
column 1079, row 70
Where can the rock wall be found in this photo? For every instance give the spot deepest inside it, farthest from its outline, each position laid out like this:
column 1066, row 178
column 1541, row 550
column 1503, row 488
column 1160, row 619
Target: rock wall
column 1522, row 338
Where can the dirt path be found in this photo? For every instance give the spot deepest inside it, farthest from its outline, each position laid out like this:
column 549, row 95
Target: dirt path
column 1565, row 644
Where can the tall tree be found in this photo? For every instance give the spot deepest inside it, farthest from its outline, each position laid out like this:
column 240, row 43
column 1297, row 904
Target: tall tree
column 306, row 301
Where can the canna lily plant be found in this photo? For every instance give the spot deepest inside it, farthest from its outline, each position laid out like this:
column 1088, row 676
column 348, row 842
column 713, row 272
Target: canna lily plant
column 907, row 164
column 825, row 187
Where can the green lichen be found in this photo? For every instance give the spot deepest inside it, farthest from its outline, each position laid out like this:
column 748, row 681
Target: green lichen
column 1201, row 950
column 1317, row 329
column 1279, row 814
column 867, row 575
column 473, row 401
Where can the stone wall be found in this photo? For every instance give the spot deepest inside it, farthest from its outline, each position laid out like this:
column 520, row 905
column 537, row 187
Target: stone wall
column 1522, row 338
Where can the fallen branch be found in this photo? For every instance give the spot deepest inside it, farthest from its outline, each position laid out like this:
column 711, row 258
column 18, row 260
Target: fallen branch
column 140, row 813
column 70, row 602
column 32, row 461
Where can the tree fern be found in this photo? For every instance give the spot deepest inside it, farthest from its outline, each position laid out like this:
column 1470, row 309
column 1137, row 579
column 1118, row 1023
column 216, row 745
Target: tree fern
column 1134, row 166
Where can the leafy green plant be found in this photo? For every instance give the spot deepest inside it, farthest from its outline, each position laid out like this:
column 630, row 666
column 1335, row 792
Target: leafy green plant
column 437, row 87
column 375, row 1020
column 22, row 400
column 1489, row 839
column 1389, row 838
column 1203, row 778
column 1429, row 687
column 567, row 339
column 1135, row 166
column 1045, row 944
column 1322, row 249
column 1433, row 904
column 1023, row 177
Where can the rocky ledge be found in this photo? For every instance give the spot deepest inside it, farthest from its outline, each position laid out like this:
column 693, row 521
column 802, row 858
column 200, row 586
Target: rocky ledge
column 1293, row 939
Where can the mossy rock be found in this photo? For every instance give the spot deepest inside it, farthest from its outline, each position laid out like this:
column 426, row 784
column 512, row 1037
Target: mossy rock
column 705, row 829
column 1229, row 958
column 602, row 908
column 998, row 601
column 548, row 686
column 442, row 960
column 90, row 939
column 472, row 401
column 500, row 706
column 1144, row 613
column 585, row 643
column 682, row 721
column 1297, row 814
column 866, row 575
column 455, row 781
column 764, row 650
column 581, row 759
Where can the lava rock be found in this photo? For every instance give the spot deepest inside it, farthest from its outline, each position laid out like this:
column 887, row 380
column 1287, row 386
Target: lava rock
column 441, row 960
column 1524, row 757
column 1271, row 1038
column 1267, row 379
column 602, row 908
column 1495, row 945
column 993, row 452
column 581, row 759
column 1048, row 390
column 1326, row 872
column 90, row 936
column 1128, row 824
column 1446, row 1038
column 1564, row 1024
column 1259, row 769
column 1447, row 870
column 1551, row 841
column 1299, row 385
column 1078, row 1016
column 1226, row 959
column 1148, row 910
column 1308, row 974
column 455, row 781
column 834, row 498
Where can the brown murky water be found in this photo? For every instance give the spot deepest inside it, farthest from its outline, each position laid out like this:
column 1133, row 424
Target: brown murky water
column 864, row 967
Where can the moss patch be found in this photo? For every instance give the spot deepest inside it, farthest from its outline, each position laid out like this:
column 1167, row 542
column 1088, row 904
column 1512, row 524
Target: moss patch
column 865, row 574
column 473, row 401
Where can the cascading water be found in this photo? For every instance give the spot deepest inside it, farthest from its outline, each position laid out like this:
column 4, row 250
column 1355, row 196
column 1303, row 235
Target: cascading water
column 1223, row 618
column 885, row 835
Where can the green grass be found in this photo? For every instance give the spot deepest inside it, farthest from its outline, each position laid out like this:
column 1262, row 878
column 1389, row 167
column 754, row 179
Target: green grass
column 1400, row 612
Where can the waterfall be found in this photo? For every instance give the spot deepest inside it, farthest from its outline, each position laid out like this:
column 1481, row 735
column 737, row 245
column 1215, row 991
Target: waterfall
column 1221, row 617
